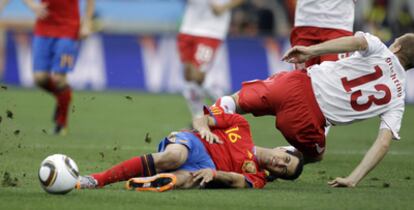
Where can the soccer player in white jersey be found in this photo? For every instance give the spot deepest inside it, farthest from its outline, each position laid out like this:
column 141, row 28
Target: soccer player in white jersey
column 204, row 27
column 369, row 83
column 317, row 21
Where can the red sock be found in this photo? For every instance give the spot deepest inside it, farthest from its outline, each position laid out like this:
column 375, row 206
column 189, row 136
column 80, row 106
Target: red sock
column 63, row 99
column 135, row 167
column 49, row 86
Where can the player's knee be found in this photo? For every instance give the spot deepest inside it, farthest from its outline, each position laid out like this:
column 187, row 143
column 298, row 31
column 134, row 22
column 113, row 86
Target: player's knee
column 171, row 159
column 59, row 80
column 188, row 72
column 188, row 77
column 41, row 79
column 193, row 74
column 199, row 78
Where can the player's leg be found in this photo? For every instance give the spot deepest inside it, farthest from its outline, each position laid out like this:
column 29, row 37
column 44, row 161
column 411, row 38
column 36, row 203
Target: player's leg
column 196, row 54
column 251, row 98
column 65, row 52
column 300, row 119
column 181, row 151
column 170, row 158
column 205, row 54
column 259, row 97
column 136, row 166
column 192, row 91
column 195, row 158
column 43, row 51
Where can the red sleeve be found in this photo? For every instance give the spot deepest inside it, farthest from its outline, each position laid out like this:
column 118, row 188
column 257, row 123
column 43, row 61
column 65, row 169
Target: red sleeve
column 257, row 180
column 223, row 119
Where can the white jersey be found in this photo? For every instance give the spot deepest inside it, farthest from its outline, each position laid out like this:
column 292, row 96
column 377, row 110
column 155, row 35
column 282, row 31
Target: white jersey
column 337, row 14
column 199, row 19
column 367, row 84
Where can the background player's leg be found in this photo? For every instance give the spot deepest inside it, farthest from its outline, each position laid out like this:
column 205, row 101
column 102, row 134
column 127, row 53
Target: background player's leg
column 63, row 95
column 193, row 92
column 65, row 52
column 213, row 92
column 43, row 48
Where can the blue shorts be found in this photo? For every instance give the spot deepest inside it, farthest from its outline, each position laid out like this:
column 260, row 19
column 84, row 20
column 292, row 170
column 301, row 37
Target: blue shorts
column 197, row 159
column 54, row 54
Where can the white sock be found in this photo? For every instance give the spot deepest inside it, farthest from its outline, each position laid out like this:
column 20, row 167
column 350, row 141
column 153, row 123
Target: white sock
column 228, row 104
column 194, row 96
column 213, row 92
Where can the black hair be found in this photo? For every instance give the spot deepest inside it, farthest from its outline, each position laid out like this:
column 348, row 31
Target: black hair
column 297, row 172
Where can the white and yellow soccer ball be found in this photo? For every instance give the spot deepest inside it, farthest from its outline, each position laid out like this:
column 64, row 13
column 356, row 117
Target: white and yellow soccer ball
column 58, row 174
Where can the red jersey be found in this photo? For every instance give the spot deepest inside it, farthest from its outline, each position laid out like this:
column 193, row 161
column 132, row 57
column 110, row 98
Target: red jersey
column 237, row 153
column 62, row 20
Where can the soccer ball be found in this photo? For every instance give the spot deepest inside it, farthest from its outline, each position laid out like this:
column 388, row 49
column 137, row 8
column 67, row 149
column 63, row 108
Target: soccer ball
column 58, row 174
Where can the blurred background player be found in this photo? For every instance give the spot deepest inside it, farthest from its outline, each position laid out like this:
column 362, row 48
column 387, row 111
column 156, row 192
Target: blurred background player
column 55, row 46
column 317, row 21
column 204, row 27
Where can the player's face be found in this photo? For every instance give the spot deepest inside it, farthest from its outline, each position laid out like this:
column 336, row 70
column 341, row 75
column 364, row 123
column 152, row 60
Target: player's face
column 279, row 163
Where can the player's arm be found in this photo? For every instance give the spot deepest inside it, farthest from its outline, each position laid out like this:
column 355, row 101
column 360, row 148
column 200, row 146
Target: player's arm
column 300, row 54
column 87, row 22
column 39, row 8
column 220, row 9
column 228, row 179
column 371, row 159
column 203, row 124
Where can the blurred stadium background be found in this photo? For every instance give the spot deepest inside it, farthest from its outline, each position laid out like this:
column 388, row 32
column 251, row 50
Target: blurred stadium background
column 135, row 46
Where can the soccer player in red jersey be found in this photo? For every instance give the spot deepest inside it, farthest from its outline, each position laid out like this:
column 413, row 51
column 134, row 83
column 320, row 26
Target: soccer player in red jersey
column 225, row 155
column 369, row 83
column 55, row 46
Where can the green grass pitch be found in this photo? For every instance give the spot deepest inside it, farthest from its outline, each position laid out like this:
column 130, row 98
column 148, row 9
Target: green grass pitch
column 108, row 127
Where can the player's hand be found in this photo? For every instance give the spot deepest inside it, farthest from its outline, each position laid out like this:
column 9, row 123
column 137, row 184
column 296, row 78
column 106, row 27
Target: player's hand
column 210, row 137
column 40, row 10
column 298, row 54
column 342, row 182
column 205, row 176
column 217, row 9
column 86, row 29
